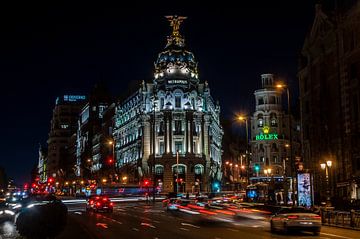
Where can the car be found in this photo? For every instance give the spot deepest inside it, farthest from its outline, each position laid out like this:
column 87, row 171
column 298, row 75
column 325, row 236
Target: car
column 99, row 203
column 296, row 219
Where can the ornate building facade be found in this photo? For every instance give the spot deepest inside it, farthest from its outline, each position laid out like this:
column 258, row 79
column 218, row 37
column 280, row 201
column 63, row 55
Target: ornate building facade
column 270, row 134
column 172, row 121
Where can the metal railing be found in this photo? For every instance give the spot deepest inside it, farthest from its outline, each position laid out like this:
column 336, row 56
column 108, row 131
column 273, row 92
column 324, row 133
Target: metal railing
column 341, row 218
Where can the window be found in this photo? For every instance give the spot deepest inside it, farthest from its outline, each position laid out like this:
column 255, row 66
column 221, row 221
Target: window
column 260, row 101
column 178, row 146
column 162, row 147
column 272, row 100
column 274, row 147
column 260, row 122
column 178, row 127
column 193, row 103
column 273, row 120
column 177, row 102
column 64, row 126
column 161, row 103
column 161, row 128
column 159, row 170
column 275, row 158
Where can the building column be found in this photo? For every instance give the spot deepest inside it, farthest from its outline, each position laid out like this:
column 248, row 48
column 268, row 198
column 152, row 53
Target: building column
column 191, row 135
column 146, row 144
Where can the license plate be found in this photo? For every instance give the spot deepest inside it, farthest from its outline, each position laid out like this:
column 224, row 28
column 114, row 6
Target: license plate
column 306, row 223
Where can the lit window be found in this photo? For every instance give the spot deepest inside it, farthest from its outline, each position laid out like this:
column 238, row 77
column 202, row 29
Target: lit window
column 64, row 126
column 261, row 123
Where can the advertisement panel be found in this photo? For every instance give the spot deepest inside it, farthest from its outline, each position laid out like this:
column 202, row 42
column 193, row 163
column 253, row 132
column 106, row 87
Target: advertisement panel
column 304, row 189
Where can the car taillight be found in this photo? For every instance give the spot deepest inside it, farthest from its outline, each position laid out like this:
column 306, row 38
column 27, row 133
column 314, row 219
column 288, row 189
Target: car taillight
column 317, row 217
column 105, row 199
column 292, row 217
column 91, row 201
column 98, row 204
column 111, row 204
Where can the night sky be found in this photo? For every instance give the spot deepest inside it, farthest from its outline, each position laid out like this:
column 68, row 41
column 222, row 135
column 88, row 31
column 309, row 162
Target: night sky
column 48, row 51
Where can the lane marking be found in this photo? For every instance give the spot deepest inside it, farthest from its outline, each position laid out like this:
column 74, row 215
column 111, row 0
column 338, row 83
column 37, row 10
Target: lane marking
column 147, row 225
column 135, row 229
column 184, row 229
column 333, row 235
column 103, row 225
column 233, row 230
column 188, row 224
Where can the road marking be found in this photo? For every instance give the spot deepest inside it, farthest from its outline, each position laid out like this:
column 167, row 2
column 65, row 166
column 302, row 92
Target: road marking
column 103, row 225
column 135, row 229
column 333, row 235
column 147, row 224
column 233, row 230
column 188, row 224
column 184, row 229
column 79, row 213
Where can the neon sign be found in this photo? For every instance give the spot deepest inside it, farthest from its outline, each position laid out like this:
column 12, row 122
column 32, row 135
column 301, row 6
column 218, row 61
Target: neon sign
column 265, row 135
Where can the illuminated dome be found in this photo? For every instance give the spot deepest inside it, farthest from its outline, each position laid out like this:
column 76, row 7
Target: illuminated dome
column 175, row 61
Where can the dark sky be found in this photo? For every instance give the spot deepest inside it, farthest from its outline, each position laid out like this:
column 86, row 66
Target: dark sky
column 47, row 51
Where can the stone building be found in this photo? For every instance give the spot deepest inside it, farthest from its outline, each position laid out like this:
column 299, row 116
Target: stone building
column 173, row 113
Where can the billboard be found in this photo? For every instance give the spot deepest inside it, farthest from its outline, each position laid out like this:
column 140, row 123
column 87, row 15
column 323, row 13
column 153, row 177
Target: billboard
column 304, row 185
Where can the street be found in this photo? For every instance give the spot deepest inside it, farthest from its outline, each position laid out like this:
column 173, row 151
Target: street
column 139, row 220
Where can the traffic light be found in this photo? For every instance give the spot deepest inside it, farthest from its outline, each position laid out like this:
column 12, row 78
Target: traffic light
column 50, row 180
column 257, row 167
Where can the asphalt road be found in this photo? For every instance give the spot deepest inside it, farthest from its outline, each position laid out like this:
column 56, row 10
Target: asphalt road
column 139, row 220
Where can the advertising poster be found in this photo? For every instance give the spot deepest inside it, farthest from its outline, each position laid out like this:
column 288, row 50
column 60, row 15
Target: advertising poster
column 304, row 189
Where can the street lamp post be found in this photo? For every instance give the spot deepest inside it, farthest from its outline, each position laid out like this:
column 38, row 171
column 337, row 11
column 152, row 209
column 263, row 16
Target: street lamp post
column 244, row 118
column 293, row 173
column 177, row 172
column 326, row 166
column 112, row 162
column 154, row 130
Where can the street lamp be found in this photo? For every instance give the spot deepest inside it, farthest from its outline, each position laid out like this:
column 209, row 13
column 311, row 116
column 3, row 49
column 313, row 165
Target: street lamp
column 326, row 166
column 177, row 172
column 243, row 118
column 154, row 138
column 293, row 173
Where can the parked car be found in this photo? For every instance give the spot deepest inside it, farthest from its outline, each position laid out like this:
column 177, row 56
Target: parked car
column 99, row 203
column 299, row 219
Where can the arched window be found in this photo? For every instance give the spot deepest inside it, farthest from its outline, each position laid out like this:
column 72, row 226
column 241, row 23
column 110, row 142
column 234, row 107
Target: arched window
column 159, row 169
column 273, row 120
column 199, row 169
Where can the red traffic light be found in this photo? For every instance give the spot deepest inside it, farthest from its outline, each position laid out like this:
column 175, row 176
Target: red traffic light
column 146, row 182
column 50, row 180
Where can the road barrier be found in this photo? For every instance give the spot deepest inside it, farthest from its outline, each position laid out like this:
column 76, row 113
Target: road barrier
column 341, row 218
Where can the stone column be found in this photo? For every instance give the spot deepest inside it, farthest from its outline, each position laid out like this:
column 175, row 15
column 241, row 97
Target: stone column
column 146, row 144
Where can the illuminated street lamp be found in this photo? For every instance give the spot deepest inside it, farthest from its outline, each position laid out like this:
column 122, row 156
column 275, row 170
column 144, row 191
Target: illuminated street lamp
column 326, row 166
column 243, row 118
column 282, row 86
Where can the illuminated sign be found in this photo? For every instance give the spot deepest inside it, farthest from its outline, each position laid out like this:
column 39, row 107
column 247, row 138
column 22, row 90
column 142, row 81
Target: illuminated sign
column 265, row 135
column 304, row 189
column 74, row 97
column 177, row 81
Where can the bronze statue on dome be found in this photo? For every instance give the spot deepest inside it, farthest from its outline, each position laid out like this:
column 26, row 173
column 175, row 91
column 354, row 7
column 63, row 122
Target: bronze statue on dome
column 175, row 22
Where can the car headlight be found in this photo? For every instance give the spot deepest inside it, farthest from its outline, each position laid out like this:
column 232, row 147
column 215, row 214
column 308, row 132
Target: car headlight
column 9, row 212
